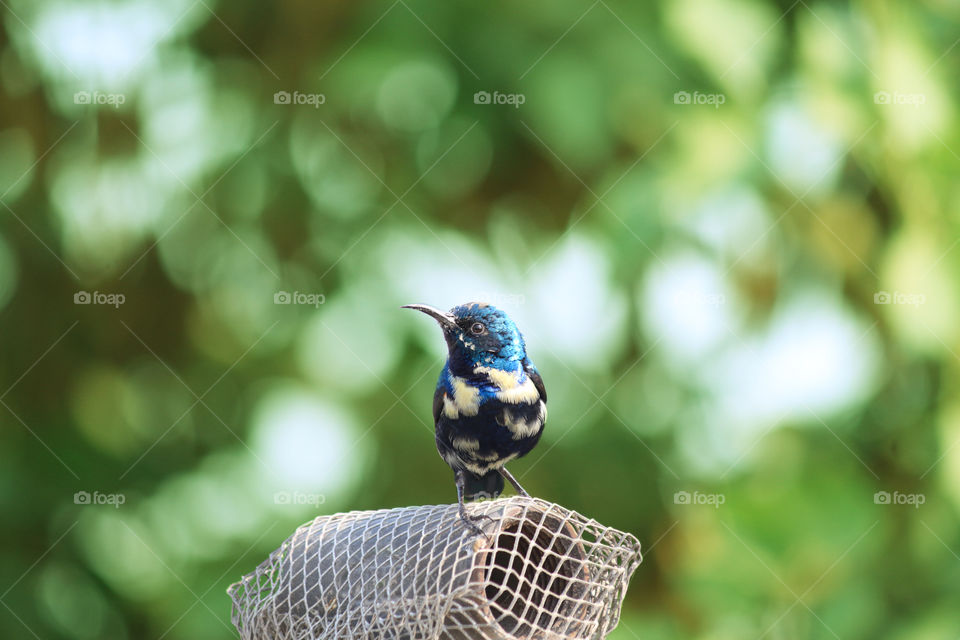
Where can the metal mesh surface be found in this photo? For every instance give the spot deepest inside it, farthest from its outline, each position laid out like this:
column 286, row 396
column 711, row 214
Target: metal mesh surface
column 541, row 571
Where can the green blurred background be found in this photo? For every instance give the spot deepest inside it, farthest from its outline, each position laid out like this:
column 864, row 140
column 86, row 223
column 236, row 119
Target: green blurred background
column 727, row 228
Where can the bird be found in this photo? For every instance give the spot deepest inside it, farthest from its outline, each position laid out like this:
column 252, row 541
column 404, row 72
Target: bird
column 490, row 405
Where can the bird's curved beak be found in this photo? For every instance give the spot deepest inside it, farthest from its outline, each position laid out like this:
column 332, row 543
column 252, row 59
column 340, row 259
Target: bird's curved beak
column 446, row 320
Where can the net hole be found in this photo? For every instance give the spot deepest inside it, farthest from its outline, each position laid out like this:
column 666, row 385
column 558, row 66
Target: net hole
column 532, row 572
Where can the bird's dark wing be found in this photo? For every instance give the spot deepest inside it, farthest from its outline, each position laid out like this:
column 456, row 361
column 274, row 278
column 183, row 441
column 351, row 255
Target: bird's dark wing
column 437, row 404
column 535, row 377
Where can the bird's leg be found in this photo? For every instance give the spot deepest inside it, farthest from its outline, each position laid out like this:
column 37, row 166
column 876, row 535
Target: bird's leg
column 516, row 485
column 462, row 512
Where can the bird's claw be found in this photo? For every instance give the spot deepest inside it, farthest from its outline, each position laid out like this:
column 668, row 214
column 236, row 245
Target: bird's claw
column 470, row 522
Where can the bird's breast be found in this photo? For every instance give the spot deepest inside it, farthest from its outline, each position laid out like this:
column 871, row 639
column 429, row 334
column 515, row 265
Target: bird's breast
column 523, row 421
column 461, row 398
column 513, row 387
column 490, row 387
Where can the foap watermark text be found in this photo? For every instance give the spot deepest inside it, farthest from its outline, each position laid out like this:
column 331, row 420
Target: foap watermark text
column 299, row 297
column 87, row 498
column 898, row 297
column 686, row 97
column 712, row 499
column 99, row 297
column 485, row 97
column 912, row 499
column 297, row 98
column 99, row 98
column 297, row 497
column 886, row 97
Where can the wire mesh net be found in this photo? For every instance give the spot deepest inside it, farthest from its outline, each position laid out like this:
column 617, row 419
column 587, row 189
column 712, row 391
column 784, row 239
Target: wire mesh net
column 541, row 571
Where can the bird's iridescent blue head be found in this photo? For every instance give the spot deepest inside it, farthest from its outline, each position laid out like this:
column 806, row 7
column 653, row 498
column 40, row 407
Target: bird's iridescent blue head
column 478, row 334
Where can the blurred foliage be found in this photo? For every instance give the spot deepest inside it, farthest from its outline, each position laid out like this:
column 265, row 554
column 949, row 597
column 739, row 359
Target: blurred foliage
column 728, row 229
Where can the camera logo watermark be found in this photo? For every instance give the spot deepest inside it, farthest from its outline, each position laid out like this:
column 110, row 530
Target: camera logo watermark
column 296, row 497
column 98, row 297
column 685, row 97
column 312, row 99
column 298, row 297
column 897, row 297
column 96, row 97
column 112, row 499
column 485, row 97
column 885, row 97
column 713, row 499
column 912, row 499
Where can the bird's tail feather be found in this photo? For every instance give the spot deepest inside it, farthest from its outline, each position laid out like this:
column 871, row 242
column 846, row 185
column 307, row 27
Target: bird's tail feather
column 480, row 487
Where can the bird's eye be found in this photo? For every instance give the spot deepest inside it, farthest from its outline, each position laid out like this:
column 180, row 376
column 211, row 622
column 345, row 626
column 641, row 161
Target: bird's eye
column 477, row 328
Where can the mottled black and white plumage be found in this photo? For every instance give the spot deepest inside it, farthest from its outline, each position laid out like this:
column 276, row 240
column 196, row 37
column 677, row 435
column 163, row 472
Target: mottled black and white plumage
column 490, row 404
